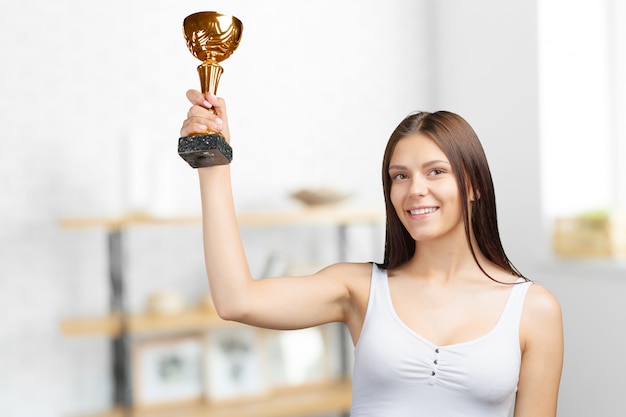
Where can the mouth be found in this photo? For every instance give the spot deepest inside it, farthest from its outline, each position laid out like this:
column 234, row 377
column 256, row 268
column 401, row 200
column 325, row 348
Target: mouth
column 422, row 211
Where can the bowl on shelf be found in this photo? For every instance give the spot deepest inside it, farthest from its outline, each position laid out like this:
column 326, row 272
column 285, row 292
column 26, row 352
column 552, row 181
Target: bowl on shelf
column 319, row 196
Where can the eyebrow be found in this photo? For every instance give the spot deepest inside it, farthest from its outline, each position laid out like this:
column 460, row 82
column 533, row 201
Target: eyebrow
column 424, row 165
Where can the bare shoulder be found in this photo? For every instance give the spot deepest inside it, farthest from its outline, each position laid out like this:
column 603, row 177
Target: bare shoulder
column 541, row 317
column 541, row 303
column 356, row 278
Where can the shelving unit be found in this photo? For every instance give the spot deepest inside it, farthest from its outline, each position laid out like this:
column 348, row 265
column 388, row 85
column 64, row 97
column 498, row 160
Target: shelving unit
column 329, row 397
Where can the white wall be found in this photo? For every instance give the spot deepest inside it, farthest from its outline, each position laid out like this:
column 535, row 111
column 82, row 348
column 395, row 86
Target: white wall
column 91, row 99
column 487, row 68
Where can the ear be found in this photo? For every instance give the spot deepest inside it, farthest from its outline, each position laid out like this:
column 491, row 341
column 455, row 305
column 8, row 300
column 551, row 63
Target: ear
column 470, row 191
column 472, row 196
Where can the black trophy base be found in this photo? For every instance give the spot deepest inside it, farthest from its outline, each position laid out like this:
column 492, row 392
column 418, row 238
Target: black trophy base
column 205, row 150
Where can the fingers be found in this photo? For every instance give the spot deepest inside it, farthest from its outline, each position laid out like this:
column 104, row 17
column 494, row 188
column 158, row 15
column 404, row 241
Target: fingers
column 218, row 104
column 195, row 97
column 206, row 113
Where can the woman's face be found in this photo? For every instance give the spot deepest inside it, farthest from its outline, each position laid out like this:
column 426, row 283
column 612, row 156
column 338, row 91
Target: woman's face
column 424, row 190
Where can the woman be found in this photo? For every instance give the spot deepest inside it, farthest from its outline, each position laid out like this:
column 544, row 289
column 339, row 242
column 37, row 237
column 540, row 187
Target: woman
column 446, row 326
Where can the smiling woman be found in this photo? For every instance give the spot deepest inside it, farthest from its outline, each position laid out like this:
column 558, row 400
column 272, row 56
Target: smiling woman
column 446, row 325
column 424, row 190
column 453, row 144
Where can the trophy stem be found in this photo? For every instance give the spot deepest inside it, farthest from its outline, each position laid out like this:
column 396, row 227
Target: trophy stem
column 210, row 73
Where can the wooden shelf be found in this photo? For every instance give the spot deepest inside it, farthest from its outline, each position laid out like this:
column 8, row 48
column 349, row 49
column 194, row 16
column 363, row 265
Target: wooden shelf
column 111, row 325
column 332, row 397
column 314, row 215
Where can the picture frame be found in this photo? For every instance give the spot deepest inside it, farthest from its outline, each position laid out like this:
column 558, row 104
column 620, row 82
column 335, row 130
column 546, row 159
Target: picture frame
column 167, row 371
column 233, row 364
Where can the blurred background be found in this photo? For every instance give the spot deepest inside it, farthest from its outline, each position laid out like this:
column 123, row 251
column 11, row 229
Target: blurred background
column 92, row 96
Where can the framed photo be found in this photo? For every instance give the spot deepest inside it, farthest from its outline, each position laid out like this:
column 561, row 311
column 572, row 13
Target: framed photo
column 298, row 358
column 167, row 371
column 233, row 364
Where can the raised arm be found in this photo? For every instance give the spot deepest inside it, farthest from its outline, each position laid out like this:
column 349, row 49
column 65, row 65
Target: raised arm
column 282, row 303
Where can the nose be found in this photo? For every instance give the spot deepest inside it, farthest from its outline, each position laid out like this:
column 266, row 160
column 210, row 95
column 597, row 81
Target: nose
column 419, row 186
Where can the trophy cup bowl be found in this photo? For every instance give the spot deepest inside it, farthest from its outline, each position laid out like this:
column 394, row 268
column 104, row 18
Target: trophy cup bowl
column 211, row 37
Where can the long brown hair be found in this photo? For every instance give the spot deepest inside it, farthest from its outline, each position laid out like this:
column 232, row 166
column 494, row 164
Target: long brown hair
column 461, row 145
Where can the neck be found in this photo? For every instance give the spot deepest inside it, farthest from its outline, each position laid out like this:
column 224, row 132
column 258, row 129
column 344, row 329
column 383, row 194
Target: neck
column 447, row 260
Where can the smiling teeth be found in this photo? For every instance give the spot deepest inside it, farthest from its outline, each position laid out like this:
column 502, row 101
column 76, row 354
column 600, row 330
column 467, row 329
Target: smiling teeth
column 423, row 211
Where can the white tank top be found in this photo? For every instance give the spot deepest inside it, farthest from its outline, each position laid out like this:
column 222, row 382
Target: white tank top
column 398, row 373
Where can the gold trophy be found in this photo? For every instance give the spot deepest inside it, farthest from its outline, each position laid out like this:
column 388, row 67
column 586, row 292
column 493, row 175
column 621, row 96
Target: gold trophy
column 211, row 37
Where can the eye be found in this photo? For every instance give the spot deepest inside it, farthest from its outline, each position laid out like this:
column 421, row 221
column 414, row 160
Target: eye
column 436, row 171
column 398, row 176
